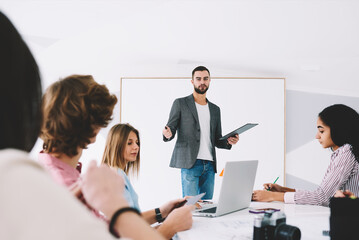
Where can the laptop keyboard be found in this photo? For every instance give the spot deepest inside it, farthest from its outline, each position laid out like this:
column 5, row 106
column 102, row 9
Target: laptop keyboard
column 209, row 210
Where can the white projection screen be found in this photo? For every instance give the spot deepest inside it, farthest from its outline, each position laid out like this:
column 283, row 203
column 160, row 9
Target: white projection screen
column 146, row 104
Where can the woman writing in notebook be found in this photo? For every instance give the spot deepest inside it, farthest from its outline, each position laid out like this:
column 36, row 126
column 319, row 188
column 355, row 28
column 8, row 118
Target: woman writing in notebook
column 338, row 129
column 122, row 154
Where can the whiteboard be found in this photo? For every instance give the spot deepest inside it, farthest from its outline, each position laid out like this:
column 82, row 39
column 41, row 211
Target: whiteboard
column 146, row 104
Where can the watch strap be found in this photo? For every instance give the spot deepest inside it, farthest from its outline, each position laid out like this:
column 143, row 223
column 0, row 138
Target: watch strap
column 159, row 217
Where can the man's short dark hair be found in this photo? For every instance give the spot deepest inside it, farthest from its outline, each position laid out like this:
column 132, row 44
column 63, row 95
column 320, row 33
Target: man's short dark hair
column 200, row 69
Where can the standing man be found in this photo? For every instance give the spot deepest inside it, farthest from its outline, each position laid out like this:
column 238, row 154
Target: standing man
column 198, row 122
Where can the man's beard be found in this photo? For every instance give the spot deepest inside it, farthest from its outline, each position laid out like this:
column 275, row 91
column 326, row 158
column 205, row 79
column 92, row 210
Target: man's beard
column 199, row 91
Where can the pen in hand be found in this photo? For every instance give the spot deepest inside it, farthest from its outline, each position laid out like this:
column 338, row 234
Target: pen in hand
column 268, row 189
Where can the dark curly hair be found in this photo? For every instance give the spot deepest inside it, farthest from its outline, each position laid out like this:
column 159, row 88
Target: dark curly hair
column 72, row 108
column 343, row 122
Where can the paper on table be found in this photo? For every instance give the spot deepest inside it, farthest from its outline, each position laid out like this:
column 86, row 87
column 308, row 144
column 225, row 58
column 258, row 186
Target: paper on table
column 224, row 229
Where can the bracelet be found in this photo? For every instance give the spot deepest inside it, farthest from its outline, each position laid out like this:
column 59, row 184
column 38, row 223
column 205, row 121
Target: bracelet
column 159, row 217
column 116, row 215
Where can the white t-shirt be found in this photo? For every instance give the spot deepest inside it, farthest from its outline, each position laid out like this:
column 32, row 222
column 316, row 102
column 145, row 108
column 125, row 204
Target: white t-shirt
column 33, row 206
column 205, row 146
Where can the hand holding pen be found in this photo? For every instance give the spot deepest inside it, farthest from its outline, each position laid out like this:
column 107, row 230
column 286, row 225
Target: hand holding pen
column 272, row 186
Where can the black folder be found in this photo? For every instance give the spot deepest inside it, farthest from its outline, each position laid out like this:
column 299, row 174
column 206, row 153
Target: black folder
column 240, row 130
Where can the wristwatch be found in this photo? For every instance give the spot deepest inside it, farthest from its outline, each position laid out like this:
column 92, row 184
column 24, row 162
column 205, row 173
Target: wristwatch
column 159, row 217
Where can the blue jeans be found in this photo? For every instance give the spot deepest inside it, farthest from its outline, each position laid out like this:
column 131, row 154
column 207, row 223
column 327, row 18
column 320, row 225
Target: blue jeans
column 198, row 179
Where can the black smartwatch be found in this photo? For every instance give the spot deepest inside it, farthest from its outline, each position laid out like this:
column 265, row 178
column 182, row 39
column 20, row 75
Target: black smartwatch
column 159, row 217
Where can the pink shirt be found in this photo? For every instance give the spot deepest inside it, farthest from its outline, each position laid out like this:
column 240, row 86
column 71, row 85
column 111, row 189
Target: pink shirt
column 61, row 172
column 64, row 174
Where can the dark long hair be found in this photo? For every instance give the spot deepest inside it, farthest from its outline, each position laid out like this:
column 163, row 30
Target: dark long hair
column 344, row 126
column 20, row 90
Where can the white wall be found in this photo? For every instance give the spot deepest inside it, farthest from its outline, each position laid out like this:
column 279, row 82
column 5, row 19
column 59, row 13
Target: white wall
column 313, row 44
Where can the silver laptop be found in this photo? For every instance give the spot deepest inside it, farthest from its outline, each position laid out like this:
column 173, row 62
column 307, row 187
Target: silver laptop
column 236, row 190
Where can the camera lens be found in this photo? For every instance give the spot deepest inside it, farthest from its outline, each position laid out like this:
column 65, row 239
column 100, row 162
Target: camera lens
column 287, row 232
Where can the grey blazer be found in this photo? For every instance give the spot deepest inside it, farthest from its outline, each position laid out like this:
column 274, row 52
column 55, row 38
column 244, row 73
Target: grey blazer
column 184, row 120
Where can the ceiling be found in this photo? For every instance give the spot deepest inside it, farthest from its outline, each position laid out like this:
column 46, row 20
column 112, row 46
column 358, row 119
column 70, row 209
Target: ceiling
column 313, row 44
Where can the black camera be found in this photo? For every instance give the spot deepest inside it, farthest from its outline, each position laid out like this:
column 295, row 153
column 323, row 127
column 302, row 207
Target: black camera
column 272, row 226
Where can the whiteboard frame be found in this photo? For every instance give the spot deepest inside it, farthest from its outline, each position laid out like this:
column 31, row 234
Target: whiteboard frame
column 285, row 101
column 122, row 79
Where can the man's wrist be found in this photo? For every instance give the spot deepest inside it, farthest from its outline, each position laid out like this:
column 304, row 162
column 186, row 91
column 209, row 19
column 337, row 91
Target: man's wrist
column 116, row 215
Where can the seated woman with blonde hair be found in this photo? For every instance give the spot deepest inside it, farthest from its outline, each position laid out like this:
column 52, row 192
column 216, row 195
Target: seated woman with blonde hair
column 122, row 153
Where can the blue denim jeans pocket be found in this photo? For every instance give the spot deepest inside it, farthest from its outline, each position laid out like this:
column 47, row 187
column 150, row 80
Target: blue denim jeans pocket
column 198, row 179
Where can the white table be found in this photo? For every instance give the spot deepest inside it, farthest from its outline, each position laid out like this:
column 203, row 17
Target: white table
column 311, row 220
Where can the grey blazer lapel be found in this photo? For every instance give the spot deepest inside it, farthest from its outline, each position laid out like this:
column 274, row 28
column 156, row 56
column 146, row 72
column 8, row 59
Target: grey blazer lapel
column 192, row 106
column 212, row 116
